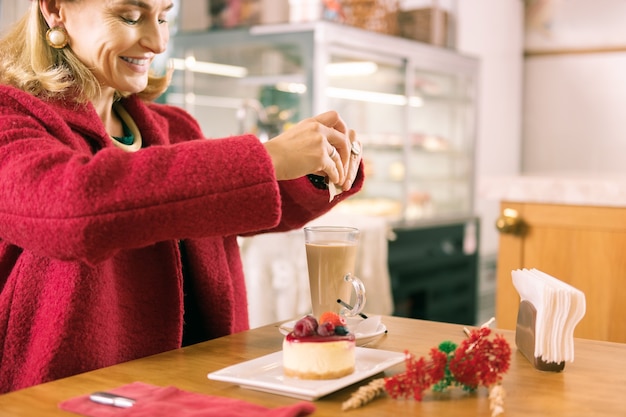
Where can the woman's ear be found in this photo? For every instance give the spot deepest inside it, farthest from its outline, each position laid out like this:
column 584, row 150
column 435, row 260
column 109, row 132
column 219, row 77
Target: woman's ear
column 50, row 12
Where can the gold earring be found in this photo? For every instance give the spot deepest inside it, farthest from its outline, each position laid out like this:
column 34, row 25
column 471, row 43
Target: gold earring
column 57, row 37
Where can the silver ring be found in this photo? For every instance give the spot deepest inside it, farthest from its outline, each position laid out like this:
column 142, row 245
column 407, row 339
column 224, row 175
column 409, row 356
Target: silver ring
column 333, row 152
column 355, row 149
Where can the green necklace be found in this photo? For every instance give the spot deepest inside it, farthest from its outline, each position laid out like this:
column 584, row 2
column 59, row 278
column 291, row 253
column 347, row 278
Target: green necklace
column 128, row 137
column 131, row 141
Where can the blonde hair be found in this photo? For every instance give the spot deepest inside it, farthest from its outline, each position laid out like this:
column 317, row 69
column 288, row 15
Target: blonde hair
column 27, row 62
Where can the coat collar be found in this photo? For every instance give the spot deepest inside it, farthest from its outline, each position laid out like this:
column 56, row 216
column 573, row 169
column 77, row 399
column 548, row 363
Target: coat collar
column 84, row 119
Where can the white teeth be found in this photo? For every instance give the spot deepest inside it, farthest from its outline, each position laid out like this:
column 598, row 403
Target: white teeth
column 136, row 61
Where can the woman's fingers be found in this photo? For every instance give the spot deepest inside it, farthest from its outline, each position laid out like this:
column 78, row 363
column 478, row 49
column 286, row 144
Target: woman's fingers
column 350, row 157
column 354, row 161
column 332, row 119
column 319, row 145
column 333, row 169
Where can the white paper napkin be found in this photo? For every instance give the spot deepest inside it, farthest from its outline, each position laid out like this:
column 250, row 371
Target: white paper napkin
column 560, row 307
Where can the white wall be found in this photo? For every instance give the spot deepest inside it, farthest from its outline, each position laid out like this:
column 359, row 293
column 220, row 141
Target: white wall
column 575, row 23
column 574, row 103
column 493, row 31
column 574, row 114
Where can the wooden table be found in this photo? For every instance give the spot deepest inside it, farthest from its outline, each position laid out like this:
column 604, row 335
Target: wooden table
column 593, row 385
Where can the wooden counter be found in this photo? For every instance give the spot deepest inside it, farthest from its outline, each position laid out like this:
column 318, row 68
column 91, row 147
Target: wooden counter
column 581, row 245
column 574, row 228
column 593, row 385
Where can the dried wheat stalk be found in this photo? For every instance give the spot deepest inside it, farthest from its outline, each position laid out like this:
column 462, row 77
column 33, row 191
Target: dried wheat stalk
column 365, row 394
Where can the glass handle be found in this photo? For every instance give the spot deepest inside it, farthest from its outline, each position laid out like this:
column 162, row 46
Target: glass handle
column 359, row 290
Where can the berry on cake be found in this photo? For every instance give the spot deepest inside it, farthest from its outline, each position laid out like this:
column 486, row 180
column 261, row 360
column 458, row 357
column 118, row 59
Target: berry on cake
column 319, row 350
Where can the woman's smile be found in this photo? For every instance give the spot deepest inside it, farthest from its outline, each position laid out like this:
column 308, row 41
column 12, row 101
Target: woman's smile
column 138, row 64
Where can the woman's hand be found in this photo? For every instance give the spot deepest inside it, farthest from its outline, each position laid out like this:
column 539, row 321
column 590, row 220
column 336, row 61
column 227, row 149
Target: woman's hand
column 319, row 145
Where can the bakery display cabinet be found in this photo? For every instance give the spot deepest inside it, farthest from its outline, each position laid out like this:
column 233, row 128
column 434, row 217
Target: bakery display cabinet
column 413, row 106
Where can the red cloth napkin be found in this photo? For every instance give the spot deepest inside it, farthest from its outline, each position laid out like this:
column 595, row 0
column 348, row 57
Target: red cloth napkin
column 154, row 401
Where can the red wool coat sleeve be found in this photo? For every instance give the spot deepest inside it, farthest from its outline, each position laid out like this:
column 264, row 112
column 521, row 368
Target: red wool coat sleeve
column 90, row 267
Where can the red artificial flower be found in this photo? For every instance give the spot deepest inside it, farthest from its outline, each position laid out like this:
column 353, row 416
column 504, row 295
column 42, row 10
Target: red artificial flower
column 477, row 361
column 420, row 375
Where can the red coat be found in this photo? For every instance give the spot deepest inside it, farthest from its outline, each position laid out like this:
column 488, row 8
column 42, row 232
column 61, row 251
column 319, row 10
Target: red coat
column 90, row 268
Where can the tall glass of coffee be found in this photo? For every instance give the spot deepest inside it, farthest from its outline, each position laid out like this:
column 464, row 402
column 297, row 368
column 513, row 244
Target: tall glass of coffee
column 331, row 258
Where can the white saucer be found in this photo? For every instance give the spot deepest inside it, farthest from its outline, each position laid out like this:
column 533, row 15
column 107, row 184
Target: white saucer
column 354, row 323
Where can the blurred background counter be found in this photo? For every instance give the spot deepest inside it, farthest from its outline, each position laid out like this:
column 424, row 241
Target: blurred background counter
column 569, row 188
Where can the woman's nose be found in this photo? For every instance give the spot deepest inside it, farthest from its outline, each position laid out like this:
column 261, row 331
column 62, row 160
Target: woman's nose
column 155, row 37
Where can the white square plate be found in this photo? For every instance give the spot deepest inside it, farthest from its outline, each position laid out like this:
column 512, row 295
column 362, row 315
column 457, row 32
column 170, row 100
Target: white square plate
column 266, row 374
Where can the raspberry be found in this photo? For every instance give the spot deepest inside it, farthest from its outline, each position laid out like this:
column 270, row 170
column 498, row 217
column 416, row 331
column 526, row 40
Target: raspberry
column 334, row 318
column 326, row 329
column 306, row 326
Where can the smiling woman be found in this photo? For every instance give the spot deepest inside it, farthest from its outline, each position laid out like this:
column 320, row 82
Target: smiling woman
column 118, row 219
column 83, row 62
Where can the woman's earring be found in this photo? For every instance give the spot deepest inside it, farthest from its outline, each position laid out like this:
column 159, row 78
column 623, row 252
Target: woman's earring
column 57, row 37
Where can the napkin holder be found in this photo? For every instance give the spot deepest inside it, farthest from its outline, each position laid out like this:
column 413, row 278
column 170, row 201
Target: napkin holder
column 525, row 338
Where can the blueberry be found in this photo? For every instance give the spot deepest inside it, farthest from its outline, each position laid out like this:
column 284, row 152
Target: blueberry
column 341, row 330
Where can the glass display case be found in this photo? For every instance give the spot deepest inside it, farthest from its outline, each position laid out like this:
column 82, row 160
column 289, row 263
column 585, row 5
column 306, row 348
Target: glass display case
column 413, row 105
